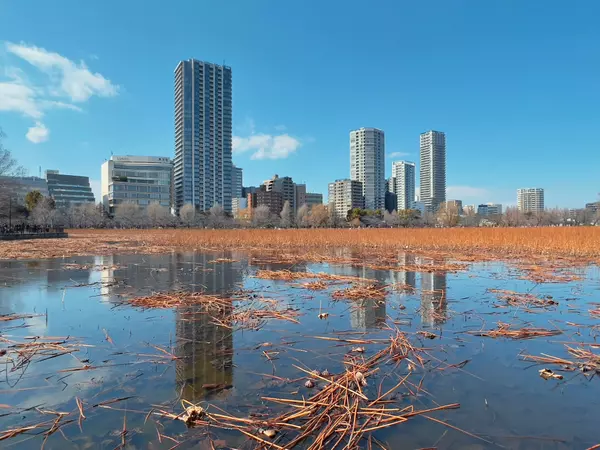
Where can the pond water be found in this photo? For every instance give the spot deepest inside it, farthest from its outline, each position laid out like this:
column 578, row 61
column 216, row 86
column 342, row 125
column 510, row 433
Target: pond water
column 140, row 361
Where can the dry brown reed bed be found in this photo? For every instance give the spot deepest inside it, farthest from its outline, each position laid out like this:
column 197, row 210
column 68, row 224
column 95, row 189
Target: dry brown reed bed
column 342, row 414
column 584, row 360
column 506, row 330
column 248, row 313
column 524, row 300
column 16, row 356
column 361, row 292
column 174, row 299
column 571, row 243
column 288, row 275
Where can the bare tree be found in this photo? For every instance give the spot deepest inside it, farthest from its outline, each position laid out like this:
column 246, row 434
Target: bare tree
column 302, row 216
column 8, row 164
column 217, row 218
column 512, row 217
column 85, row 215
column 157, row 215
column 319, row 216
column 44, row 213
column 391, row 219
column 262, row 217
column 448, row 215
column 286, row 215
column 128, row 215
column 187, row 214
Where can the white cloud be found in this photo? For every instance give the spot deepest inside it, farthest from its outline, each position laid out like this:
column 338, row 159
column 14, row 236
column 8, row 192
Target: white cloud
column 20, row 98
column 397, row 154
column 63, row 81
column 73, row 80
column 466, row 193
column 38, row 133
column 267, row 146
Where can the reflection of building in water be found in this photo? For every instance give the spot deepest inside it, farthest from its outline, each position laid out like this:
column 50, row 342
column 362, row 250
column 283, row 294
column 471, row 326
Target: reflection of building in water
column 433, row 298
column 406, row 278
column 205, row 351
column 193, row 272
column 367, row 314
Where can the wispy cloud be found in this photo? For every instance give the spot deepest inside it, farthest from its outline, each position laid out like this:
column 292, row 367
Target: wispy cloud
column 397, row 154
column 38, row 133
column 63, row 83
column 266, row 146
column 73, row 80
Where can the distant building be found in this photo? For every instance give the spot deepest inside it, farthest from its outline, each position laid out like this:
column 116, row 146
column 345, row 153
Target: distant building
column 236, row 181
column 285, row 186
column 249, row 190
column 68, row 190
column 454, row 204
column 272, row 199
column 19, row 187
column 136, row 179
column 593, row 207
column 530, row 200
column 433, row 169
column 313, row 199
column 469, row 209
column 345, row 195
column 237, row 204
column 367, row 164
column 203, row 135
column 403, row 175
column 391, row 201
column 299, row 195
column 489, row 209
column 419, row 206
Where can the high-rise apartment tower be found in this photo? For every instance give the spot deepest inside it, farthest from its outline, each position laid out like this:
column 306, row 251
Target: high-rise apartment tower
column 403, row 175
column 202, row 165
column 367, row 164
column 530, row 200
column 433, row 169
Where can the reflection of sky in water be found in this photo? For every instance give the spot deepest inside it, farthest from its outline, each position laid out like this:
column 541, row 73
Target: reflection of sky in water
column 499, row 398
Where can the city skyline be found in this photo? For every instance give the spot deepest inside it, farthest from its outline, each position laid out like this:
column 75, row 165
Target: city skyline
column 73, row 101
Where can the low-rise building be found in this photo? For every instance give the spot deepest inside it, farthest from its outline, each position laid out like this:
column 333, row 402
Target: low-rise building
column 345, row 195
column 68, row 190
column 489, row 209
column 313, row 198
column 19, row 187
column 137, row 179
column 454, row 204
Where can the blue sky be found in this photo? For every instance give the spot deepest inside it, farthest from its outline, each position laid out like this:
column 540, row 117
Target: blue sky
column 513, row 84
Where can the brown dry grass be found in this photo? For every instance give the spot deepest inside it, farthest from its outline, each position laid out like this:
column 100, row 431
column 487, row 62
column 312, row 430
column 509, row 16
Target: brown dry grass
column 575, row 242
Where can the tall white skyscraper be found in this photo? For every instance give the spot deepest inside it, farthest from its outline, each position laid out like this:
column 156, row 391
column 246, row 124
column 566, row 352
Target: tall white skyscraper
column 433, row 169
column 403, row 174
column 367, row 164
column 530, row 200
column 202, row 165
